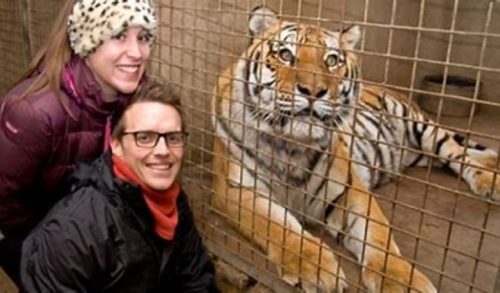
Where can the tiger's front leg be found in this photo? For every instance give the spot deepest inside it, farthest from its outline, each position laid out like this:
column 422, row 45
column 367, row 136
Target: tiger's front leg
column 367, row 236
column 301, row 258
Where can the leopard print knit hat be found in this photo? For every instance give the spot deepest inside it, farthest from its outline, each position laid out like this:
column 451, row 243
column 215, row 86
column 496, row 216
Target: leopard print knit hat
column 93, row 22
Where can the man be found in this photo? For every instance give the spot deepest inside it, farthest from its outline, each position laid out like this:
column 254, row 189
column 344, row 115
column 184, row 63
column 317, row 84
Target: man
column 127, row 225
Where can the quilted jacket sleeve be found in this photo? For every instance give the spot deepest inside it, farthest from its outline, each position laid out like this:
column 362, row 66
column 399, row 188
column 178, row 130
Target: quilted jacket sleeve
column 25, row 144
column 62, row 255
column 195, row 269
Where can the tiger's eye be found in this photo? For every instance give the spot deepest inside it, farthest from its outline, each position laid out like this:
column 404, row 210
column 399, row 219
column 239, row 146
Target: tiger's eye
column 286, row 55
column 331, row 60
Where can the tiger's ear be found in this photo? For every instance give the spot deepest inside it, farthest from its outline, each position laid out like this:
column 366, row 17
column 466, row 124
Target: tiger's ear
column 349, row 37
column 261, row 19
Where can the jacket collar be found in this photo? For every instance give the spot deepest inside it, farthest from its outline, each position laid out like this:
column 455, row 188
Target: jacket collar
column 80, row 84
column 99, row 174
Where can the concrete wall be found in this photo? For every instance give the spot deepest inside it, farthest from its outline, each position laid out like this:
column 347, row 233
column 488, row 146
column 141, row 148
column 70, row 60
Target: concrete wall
column 403, row 40
column 12, row 57
column 24, row 25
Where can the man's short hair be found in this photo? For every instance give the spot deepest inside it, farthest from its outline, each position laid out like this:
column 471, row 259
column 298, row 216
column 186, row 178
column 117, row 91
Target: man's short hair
column 150, row 91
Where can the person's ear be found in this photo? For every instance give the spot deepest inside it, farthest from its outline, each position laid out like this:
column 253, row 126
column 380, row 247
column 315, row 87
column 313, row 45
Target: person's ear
column 116, row 147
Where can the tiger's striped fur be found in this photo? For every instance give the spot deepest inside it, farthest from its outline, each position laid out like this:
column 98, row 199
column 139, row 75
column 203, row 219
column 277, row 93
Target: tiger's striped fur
column 300, row 139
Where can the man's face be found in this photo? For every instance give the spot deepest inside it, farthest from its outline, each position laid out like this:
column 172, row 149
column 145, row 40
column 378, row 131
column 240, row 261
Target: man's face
column 158, row 166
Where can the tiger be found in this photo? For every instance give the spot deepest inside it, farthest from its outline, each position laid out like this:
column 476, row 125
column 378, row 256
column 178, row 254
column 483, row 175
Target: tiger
column 300, row 139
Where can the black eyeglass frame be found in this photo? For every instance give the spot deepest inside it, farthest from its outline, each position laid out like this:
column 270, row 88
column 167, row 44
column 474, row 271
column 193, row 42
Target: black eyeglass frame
column 165, row 136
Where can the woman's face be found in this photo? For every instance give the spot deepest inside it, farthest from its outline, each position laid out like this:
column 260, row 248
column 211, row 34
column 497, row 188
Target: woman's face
column 119, row 63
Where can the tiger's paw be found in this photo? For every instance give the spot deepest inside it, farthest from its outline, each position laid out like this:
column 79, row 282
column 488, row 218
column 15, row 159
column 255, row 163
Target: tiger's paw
column 397, row 276
column 314, row 270
column 487, row 184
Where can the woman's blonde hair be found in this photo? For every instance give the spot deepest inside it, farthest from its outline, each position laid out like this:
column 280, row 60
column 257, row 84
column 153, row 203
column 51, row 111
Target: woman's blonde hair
column 50, row 59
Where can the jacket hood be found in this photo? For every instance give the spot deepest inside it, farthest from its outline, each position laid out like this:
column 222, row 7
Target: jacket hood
column 80, row 84
column 99, row 174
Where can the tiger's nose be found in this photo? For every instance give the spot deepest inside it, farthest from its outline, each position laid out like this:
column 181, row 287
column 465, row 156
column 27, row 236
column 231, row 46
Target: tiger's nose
column 318, row 92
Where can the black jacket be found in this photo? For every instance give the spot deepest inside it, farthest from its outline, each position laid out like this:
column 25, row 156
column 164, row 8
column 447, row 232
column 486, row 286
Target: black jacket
column 101, row 238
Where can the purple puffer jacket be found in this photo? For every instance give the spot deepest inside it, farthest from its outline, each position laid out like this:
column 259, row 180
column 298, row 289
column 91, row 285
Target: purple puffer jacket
column 40, row 142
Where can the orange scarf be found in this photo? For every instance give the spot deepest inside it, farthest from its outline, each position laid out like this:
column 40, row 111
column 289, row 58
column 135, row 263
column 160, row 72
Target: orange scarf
column 161, row 204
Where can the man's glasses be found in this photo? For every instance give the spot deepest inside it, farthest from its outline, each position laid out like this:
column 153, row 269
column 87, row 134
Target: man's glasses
column 149, row 139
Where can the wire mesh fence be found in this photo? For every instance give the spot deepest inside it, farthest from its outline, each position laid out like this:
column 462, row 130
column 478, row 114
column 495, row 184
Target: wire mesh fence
column 309, row 155
column 11, row 43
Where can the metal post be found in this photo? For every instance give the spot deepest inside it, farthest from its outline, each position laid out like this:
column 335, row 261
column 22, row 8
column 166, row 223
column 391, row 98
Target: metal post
column 24, row 11
column 497, row 282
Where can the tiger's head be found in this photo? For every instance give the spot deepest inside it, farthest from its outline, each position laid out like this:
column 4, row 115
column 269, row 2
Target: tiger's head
column 301, row 79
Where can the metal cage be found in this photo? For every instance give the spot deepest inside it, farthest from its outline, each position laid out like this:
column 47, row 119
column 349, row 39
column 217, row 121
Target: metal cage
column 442, row 55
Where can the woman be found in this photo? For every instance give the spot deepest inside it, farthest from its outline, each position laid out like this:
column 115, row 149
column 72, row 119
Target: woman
column 126, row 226
column 94, row 59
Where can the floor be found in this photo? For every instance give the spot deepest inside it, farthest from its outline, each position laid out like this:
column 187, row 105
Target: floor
column 6, row 286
